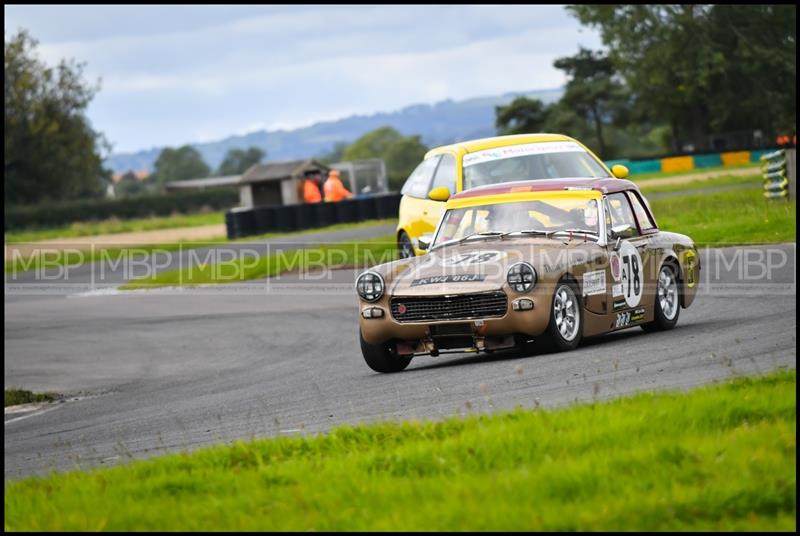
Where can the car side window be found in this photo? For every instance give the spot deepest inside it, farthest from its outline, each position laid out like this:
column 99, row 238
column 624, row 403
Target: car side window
column 417, row 183
column 446, row 174
column 619, row 212
column 645, row 221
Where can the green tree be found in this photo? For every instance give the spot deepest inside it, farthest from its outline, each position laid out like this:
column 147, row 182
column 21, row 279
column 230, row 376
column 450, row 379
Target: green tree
column 129, row 185
column 51, row 150
column 336, row 153
column 400, row 153
column 703, row 68
column 521, row 116
column 237, row 161
column 179, row 165
column 593, row 91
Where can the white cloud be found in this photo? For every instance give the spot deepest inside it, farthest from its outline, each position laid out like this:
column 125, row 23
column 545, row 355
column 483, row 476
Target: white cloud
column 172, row 73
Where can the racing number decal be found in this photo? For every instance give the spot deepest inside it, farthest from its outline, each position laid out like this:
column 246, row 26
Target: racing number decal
column 632, row 274
column 473, row 257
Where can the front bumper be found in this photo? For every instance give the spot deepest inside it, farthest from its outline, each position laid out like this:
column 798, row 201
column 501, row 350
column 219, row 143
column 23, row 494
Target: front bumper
column 530, row 322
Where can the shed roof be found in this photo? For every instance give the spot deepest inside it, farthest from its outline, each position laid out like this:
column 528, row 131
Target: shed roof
column 280, row 170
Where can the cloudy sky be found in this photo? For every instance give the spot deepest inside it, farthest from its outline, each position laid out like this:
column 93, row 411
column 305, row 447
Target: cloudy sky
column 177, row 74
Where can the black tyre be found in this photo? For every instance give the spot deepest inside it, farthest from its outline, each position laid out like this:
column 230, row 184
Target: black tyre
column 667, row 308
column 405, row 246
column 565, row 329
column 381, row 357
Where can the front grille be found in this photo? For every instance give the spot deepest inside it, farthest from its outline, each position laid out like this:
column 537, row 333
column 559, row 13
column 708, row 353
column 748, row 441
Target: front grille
column 458, row 307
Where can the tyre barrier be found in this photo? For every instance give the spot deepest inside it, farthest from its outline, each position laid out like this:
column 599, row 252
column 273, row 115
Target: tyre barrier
column 773, row 169
column 241, row 222
column 347, row 211
column 367, row 208
column 324, row 214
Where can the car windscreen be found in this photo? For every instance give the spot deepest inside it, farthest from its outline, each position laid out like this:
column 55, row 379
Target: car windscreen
column 530, row 161
column 550, row 214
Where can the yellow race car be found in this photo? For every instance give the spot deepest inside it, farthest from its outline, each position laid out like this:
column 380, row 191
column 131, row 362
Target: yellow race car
column 450, row 169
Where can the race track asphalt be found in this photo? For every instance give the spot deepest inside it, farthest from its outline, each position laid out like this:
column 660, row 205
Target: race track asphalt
column 161, row 371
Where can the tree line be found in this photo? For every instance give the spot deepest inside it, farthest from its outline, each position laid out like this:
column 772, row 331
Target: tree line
column 672, row 78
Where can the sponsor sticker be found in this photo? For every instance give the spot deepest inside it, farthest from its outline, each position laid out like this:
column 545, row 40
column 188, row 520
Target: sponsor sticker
column 511, row 151
column 629, row 317
column 454, row 278
column 616, row 290
column 620, row 304
column 594, row 283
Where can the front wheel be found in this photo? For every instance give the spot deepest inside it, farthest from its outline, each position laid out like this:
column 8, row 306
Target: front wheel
column 382, row 357
column 667, row 307
column 565, row 329
column 405, row 246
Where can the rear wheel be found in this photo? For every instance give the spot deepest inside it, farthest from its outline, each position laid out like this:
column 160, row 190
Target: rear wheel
column 565, row 329
column 382, row 357
column 405, row 246
column 667, row 307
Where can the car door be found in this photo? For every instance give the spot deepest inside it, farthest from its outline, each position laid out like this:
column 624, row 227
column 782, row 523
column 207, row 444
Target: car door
column 629, row 263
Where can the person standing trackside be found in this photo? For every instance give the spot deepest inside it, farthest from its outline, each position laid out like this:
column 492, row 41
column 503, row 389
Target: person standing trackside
column 334, row 189
column 311, row 193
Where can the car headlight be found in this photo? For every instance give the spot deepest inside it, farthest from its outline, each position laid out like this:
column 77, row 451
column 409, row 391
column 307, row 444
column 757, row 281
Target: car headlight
column 370, row 286
column 521, row 277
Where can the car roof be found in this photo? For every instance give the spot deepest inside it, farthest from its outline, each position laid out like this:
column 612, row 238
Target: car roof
column 603, row 185
column 470, row 146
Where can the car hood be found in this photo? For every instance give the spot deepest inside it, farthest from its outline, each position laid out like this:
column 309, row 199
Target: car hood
column 473, row 267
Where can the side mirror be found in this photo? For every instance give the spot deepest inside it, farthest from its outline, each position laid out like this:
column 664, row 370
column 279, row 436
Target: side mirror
column 424, row 241
column 619, row 232
column 620, row 171
column 439, row 194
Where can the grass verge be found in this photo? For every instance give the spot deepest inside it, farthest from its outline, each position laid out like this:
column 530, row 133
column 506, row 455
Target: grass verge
column 115, row 226
column 728, row 218
column 754, row 181
column 716, row 458
column 13, row 397
column 245, row 267
column 48, row 257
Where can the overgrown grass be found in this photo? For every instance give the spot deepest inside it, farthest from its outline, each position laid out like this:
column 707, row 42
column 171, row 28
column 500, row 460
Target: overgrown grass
column 13, row 397
column 725, row 218
column 242, row 268
column 716, row 458
column 115, row 226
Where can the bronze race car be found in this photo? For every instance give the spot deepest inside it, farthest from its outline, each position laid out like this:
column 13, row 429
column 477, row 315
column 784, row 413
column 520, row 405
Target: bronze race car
column 528, row 264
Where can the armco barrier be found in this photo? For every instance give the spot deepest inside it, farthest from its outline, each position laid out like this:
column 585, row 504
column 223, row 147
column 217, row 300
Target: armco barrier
column 286, row 218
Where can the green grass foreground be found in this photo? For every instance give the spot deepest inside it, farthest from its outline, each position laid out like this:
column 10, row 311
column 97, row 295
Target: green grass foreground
column 721, row 457
column 242, row 268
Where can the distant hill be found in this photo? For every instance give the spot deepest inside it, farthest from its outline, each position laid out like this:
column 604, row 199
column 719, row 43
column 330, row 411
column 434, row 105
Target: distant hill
column 443, row 122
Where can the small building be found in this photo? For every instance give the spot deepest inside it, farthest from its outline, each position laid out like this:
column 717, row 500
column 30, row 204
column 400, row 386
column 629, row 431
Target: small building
column 277, row 183
column 281, row 183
